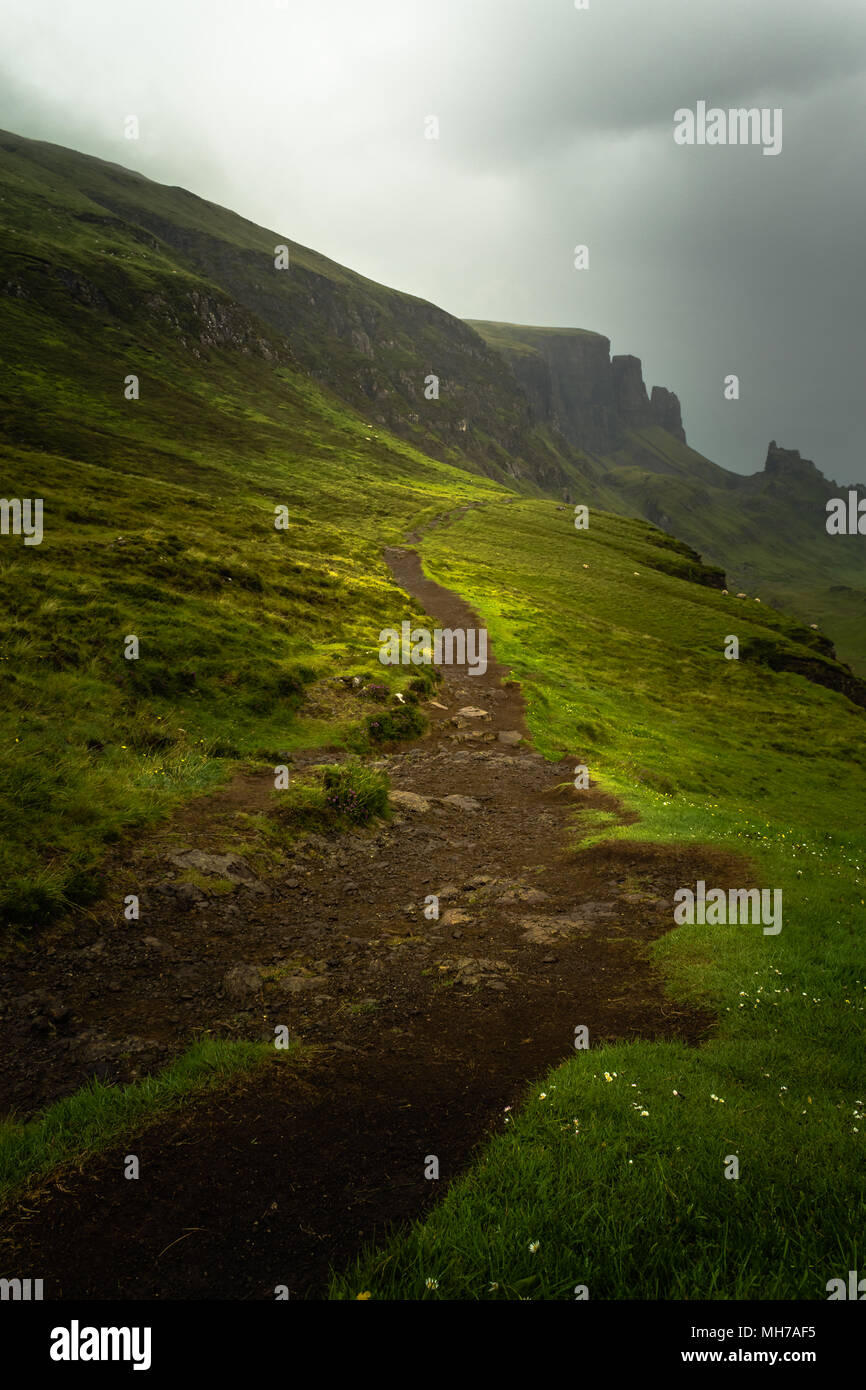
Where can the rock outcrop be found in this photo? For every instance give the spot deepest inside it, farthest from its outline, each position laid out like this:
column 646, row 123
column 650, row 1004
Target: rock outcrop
column 787, row 467
column 665, row 407
column 576, row 387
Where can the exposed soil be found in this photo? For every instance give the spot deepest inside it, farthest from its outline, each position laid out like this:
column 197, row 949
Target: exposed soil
column 427, row 1029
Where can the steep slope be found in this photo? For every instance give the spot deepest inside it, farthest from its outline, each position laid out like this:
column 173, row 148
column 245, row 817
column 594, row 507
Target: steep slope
column 375, row 347
column 160, row 523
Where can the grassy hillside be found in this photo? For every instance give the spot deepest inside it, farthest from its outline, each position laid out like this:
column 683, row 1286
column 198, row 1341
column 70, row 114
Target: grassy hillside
column 767, row 530
column 373, row 346
column 160, row 522
column 78, row 232
column 615, row 1166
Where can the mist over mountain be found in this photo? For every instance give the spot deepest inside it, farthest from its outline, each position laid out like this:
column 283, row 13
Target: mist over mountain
column 555, row 127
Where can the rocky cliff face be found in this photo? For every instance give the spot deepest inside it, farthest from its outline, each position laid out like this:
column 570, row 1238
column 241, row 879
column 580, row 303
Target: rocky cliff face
column 665, row 407
column 575, row 386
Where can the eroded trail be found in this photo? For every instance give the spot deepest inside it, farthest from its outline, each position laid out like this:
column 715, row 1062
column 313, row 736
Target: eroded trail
column 427, row 1029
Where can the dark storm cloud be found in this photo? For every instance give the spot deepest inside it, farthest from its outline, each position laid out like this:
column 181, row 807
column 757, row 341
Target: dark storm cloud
column 556, row 128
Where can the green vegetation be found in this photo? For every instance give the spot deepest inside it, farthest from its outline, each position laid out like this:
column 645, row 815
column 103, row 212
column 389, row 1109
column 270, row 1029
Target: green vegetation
column 159, row 521
column 343, row 795
column 615, row 1165
column 766, row 530
column 395, row 724
column 97, row 1115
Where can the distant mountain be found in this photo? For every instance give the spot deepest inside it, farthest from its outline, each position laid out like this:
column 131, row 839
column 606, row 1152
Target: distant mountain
column 574, row 384
column 543, row 410
column 767, row 529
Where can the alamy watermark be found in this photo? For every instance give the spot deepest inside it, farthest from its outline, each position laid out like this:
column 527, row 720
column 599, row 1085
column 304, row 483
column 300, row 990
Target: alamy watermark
column 444, row 646
column 846, row 517
column 22, row 517
column 21, row 1290
column 737, row 906
column 855, row 1288
column 737, row 126
column 77, row 1343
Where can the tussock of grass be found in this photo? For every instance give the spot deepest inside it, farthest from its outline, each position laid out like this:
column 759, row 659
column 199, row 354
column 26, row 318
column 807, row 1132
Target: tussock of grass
column 342, row 795
column 396, row 724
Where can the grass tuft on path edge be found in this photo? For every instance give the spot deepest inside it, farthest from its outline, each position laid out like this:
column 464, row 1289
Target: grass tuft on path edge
column 81, row 1124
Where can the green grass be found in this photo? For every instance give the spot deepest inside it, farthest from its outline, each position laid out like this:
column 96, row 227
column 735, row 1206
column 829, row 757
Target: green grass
column 627, row 672
column 394, row 725
column 97, row 1115
column 160, row 523
column 339, row 797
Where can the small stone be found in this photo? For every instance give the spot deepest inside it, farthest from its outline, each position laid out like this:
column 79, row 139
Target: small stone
column 409, row 801
column 242, row 981
column 228, row 866
column 449, row 891
column 461, row 803
column 185, row 895
column 545, row 931
column 455, row 917
column 294, row 984
column 525, row 895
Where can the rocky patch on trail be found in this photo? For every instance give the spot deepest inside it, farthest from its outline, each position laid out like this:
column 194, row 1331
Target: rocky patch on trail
column 541, row 931
column 524, row 895
column 409, row 801
column 461, row 803
column 475, row 971
column 242, row 982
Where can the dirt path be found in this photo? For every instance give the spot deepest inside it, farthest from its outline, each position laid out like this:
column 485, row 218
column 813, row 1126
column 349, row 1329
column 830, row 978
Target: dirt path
column 427, row 1028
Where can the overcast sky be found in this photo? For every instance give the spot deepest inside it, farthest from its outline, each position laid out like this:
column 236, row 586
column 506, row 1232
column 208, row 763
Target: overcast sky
column 555, row 129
